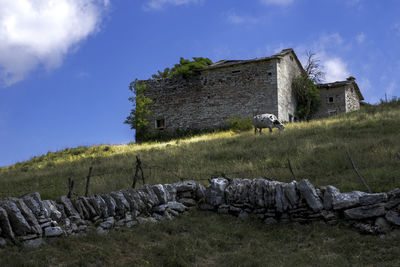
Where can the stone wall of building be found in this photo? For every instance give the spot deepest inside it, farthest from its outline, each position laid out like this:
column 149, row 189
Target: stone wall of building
column 333, row 101
column 30, row 219
column 352, row 99
column 288, row 69
column 216, row 95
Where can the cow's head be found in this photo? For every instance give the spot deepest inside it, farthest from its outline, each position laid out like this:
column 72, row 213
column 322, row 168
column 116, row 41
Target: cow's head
column 279, row 125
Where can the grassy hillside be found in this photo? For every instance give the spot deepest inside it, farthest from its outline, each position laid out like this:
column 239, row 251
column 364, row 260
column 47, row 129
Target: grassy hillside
column 316, row 151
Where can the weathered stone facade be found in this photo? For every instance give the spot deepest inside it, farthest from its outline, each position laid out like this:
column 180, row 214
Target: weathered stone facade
column 339, row 97
column 231, row 88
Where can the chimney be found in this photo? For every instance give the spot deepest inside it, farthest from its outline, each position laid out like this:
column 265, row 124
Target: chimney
column 351, row 78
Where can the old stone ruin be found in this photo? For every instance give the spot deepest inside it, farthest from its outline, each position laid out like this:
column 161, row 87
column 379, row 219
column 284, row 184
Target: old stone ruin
column 32, row 221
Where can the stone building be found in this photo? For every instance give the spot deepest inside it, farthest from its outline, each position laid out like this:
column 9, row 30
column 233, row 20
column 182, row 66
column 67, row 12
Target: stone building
column 237, row 88
column 339, row 97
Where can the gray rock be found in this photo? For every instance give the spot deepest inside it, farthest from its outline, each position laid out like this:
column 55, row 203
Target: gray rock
column 173, row 205
column 88, row 206
column 34, row 243
column 28, row 215
column 68, row 207
column 80, row 207
column 382, row 225
column 141, row 206
column 291, row 193
column 5, row 225
column 161, row 192
column 256, row 193
column 393, row 217
column 34, row 202
column 152, row 197
column 185, row 186
column 111, row 205
column 146, row 200
column 347, row 200
column 3, row 242
column 131, row 224
column 53, row 231
column 188, row 202
column 392, row 203
column 51, row 206
column 18, row 222
column 108, row 223
column 232, row 194
column 101, row 204
column 131, row 200
column 215, row 194
column 309, row 193
column 171, row 192
column 279, row 195
column 395, row 193
column 370, row 199
column 269, row 194
column 200, row 192
column 122, row 204
column 365, row 212
column 366, row 228
column 146, row 220
column 331, row 193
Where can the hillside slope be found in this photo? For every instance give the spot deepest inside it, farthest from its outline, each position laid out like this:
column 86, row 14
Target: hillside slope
column 316, row 151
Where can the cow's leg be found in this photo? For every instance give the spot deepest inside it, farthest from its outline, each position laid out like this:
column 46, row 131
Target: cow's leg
column 270, row 129
column 260, row 130
column 255, row 130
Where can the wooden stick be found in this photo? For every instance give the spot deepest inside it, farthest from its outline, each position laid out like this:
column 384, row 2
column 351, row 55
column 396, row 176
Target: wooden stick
column 88, row 181
column 136, row 172
column 356, row 170
column 70, row 187
column 291, row 170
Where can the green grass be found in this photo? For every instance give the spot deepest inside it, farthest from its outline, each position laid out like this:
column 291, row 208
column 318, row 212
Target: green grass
column 316, row 151
column 208, row 239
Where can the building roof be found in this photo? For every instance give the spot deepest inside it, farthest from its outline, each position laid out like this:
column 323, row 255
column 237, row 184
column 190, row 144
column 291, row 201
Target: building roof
column 349, row 81
column 229, row 63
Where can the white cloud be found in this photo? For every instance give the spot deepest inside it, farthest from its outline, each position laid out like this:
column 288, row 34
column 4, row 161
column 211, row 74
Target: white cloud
column 159, row 4
column 325, row 48
column 37, row 33
column 335, row 69
column 277, row 2
column 360, row 38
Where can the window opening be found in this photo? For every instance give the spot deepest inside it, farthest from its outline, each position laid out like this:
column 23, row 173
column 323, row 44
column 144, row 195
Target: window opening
column 160, row 124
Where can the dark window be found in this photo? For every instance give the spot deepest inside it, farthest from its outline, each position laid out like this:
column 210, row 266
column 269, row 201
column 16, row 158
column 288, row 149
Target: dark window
column 330, row 99
column 270, row 73
column 160, row 124
column 291, row 58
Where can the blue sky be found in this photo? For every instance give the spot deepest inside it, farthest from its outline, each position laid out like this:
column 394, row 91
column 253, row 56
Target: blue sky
column 65, row 65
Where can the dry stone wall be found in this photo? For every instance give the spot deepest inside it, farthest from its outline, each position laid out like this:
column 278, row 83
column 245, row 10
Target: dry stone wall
column 32, row 221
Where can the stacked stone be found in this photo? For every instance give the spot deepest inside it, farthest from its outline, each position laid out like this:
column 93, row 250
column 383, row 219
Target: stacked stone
column 28, row 219
column 274, row 201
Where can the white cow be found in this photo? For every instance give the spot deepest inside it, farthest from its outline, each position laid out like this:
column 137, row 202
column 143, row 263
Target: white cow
column 266, row 121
